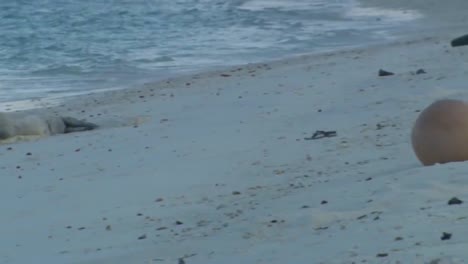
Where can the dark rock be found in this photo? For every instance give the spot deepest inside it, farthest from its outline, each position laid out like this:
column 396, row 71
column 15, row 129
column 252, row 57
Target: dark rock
column 420, row 71
column 454, row 200
column 460, row 41
column 382, row 255
column 385, row 73
column 142, row 237
column 323, row 202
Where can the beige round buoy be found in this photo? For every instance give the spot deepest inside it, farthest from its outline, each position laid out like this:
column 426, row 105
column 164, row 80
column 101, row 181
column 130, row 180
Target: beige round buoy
column 440, row 134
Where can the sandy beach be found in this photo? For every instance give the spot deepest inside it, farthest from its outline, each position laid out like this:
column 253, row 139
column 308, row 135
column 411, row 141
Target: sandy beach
column 221, row 167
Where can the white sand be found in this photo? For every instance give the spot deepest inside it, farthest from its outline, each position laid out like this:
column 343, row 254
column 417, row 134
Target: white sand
column 77, row 198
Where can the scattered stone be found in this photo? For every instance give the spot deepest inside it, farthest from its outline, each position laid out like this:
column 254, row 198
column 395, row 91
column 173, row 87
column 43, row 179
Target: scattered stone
column 305, row 207
column 385, row 73
column 161, row 228
column 225, row 75
column 460, row 41
column 398, row 238
column 324, row 202
column 368, row 179
column 108, row 228
column 382, row 255
column 158, row 200
column 322, row 228
column 179, row 223
column 361, row 217
column 380, row 126
column 236, row 193
column 81, row 228
column 28, row 154
column 142, row 237
column 446, row 236
column 454, row 200
column 181, row 261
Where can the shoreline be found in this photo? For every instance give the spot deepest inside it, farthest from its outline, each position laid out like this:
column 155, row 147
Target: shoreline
column 164, row 74
column 51, row 102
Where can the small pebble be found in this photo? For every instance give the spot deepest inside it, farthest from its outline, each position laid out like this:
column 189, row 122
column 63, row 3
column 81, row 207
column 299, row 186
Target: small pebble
column 446, row 236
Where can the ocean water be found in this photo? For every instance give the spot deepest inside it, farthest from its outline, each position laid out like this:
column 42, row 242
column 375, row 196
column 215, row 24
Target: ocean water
column 65, row 47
